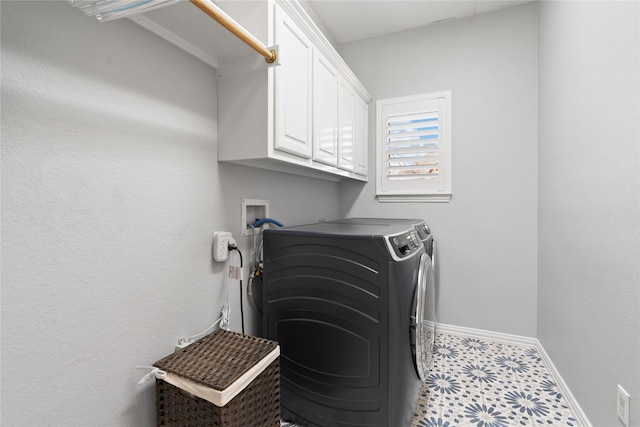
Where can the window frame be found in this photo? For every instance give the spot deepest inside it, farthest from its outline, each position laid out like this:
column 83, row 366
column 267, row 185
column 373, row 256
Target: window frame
column 444, row 192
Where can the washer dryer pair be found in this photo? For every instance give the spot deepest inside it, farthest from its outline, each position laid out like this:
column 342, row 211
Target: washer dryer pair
column 347, row 302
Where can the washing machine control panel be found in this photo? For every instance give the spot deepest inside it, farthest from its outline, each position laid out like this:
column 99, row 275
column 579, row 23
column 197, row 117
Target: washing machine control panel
column 423, row 230
column 404, row 245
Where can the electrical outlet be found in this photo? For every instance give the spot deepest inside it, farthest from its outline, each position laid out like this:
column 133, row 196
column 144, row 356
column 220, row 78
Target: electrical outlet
column 221, row 245
column 623, row 405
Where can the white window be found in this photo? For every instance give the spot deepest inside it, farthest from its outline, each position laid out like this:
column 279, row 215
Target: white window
column 413, row 147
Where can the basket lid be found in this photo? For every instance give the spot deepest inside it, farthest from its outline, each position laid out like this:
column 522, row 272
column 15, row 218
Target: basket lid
column 220, row 359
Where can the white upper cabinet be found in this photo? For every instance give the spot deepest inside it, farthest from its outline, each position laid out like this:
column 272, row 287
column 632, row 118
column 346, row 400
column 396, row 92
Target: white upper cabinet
column 325, row 114
column 298, row 116
column 293, row 88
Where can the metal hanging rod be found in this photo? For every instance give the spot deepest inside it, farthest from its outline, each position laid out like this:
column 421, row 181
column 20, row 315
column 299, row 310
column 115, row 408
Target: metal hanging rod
column 230, row 24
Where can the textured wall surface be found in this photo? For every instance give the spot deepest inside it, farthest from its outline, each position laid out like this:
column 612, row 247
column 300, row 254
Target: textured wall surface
column 110, row 193
column 589, row 212
column 487, row 233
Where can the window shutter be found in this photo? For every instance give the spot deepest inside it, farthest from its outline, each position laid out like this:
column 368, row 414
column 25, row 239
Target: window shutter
column 413, row 146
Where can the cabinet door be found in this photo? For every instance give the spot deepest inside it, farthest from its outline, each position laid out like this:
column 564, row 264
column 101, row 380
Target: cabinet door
column 325, row 114
column 362, row 137
column 293, row 86
column 346, row 122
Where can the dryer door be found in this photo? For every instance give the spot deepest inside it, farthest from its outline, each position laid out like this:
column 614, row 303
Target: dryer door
column 423, row 318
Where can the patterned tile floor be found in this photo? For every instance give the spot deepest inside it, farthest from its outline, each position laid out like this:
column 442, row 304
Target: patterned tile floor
column 479, row 383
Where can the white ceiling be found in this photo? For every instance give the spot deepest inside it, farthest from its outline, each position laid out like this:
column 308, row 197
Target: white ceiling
column 351, row 20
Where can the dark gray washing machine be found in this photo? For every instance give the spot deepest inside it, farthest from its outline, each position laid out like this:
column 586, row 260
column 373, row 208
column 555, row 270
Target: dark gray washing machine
column 346, row 303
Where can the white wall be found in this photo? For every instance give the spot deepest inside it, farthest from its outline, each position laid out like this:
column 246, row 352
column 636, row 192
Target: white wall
column 487, row 233
column 589, row 208
column 110, row 192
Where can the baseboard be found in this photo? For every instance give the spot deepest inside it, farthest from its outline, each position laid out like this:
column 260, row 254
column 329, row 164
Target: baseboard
column 490, row 335
column 581, row 418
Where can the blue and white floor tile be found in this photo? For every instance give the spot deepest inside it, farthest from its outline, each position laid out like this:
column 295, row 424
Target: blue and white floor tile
column 479, row 383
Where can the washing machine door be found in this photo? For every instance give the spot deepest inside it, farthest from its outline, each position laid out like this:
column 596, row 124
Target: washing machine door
column 423, row 317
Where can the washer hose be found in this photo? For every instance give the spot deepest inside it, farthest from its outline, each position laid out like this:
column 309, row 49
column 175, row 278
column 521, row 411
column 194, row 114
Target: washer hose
column 261, row 221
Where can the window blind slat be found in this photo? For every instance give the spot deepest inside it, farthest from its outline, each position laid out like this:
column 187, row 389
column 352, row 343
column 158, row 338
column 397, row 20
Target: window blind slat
column 409, row 154
column 415, row 175
column 418, row 117
column 412, row 136
column 411, row 127
column 420, row 161
column 403, row 166
column 431, row 150
column 413, row 141
column 417, row 178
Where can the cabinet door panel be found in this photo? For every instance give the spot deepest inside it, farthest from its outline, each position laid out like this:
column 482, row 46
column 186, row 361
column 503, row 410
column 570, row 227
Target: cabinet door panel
column 362, row 137
column 346, row 122
column 325, row 110
column 293, row 86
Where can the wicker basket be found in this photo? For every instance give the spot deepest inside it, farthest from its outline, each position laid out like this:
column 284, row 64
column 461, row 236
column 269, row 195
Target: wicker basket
column 232, row 380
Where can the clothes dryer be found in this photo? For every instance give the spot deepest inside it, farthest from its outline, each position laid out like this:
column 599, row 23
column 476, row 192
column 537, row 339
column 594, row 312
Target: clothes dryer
column 426, row 296
column 340, row 299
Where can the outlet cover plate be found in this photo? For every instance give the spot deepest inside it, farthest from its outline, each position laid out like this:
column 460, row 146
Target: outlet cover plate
column 622, row 406
column 221, row 245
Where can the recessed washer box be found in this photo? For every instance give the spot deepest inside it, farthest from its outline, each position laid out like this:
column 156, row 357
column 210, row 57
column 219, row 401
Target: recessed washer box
column 253, row 209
